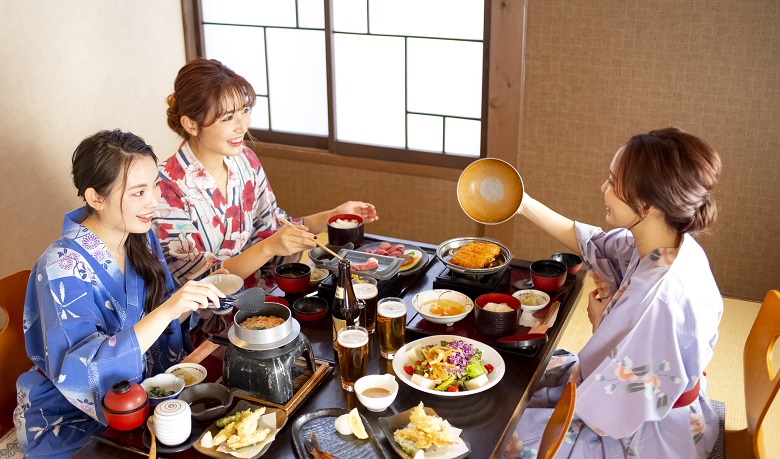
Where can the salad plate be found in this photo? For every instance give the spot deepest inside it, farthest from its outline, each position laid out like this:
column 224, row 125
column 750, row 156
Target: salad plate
column 489, row 357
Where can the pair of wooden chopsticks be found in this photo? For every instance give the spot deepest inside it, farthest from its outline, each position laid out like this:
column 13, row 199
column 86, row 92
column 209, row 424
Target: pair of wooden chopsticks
column 318, row 244
column 553, row 308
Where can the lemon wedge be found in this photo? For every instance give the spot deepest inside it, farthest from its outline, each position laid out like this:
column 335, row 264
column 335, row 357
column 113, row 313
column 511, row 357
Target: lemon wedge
column 342, row 425
column 357, row 424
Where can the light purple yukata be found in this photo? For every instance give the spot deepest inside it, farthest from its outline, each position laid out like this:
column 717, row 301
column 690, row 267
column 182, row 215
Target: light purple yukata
column 654, row 340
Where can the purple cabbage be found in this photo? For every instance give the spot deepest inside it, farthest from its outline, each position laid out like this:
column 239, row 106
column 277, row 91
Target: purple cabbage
column 461, row 359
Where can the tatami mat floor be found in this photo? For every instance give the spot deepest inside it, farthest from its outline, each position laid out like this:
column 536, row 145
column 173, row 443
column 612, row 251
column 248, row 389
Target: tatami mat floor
column 724, row 373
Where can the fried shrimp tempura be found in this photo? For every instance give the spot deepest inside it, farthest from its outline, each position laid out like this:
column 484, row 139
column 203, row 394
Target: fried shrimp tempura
column 476, row 255
column 424, row 430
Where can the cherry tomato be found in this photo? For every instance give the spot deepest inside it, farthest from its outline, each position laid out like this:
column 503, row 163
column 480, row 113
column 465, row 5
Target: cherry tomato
column 489, row 368
column 409, row 370
column 416, row 362
column 453, row 389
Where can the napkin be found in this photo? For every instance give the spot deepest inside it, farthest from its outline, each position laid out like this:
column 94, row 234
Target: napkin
column 450, row 451
column 527, row 318
column 266, row 421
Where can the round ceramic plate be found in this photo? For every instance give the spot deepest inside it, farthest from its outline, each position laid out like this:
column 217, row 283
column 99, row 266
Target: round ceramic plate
column 407, row 247
column 489, row 356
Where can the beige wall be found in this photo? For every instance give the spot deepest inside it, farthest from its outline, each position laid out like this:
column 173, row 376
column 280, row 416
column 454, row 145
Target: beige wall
column 68, row 70
column 599, row 72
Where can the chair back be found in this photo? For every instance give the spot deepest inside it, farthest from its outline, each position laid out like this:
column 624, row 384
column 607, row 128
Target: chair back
column 13, row 354
column 559, row 423
column 762, row 380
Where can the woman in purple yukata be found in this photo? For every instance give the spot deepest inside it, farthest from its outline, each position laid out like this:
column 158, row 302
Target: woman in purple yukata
column 218, row 209
column 641, row 390
column 99, row 306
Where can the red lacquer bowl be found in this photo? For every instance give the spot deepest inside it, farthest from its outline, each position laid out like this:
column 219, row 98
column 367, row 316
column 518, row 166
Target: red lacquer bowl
column 548, row 275
column 293, row 277
column 126, row 406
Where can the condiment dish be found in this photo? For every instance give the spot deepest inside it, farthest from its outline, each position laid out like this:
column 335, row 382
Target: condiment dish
column 528, row 295
column 191, row 373
column 208, row 401
column 376, row 392
column 167, row 382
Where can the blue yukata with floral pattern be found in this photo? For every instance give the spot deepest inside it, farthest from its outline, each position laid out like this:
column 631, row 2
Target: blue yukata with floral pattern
column 653, row 343
column 78, row 329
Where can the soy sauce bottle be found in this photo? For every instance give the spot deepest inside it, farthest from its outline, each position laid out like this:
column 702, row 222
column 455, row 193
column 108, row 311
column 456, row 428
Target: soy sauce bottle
column 345, row 310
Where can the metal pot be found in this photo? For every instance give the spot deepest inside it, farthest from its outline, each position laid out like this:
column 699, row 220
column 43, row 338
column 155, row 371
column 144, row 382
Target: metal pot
column 269, row 335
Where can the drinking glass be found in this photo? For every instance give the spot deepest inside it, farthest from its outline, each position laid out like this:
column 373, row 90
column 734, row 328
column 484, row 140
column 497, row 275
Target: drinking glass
column 391, row 322
column 353, row 355
column 367, row 293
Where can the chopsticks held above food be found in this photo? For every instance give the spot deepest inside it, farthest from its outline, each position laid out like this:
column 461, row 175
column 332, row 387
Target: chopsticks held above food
column 285, row 222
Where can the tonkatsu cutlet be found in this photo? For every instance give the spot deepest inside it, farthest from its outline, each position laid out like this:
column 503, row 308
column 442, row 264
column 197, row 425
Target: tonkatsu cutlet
column 476, row 255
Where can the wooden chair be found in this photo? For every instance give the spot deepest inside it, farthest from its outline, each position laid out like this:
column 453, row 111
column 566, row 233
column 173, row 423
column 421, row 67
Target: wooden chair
column 559, row 423
column 12, row 351
column 762, row 380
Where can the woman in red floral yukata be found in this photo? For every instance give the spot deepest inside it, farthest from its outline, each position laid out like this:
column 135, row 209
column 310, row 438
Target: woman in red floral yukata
column 217, row 208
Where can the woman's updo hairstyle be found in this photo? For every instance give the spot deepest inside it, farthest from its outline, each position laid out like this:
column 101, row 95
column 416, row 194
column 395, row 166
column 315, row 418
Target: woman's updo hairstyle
column 101, row 162
column 673, row 171
column 204, row 90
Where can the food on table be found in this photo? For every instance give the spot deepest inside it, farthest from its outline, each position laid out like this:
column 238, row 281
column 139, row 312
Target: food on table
column 350, row 423
column 357, row 280
column 422, row 432
column 497, row 307
column 157, row 391
column 411, row 257
column 531, row 299
column 388, row 250
column 185, row 375
column 207, row 441
column 371, row 263
column 443, row 307
column 475, row 255
column 262, row 322
column 452, row 366
column 241, row 429
column 344, row 224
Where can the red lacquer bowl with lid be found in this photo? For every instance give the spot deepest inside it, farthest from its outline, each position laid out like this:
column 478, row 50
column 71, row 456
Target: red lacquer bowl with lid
column 126, row 406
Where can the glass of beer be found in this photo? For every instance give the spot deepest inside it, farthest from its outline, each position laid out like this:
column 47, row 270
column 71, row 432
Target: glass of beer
column 391, row 321
column 367, row 293
column 353, row 355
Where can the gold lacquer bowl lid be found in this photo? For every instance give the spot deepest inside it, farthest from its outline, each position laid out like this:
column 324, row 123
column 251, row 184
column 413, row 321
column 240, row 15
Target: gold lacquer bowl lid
column 490, row 191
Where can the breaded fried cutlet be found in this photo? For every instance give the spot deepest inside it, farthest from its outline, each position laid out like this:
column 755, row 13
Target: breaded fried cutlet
column 475, row 255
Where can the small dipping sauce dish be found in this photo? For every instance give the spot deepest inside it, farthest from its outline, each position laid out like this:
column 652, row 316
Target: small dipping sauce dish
column 376, row 392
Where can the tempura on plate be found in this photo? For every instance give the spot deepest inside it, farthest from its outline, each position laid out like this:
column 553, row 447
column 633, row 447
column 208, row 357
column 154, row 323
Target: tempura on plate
column 422, row 432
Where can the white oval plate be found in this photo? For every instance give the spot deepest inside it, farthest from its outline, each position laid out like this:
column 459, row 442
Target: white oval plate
column 489, row 356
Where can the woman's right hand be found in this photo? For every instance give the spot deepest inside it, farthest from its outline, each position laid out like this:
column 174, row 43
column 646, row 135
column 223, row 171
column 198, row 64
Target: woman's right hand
column 596, row 307
column 190, row 297
column 289, row 241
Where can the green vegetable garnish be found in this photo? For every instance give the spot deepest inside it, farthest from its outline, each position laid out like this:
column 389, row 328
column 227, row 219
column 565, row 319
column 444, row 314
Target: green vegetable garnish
column 157, row 392
column 446, row 383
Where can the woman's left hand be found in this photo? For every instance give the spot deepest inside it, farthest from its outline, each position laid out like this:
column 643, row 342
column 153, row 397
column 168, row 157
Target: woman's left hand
column 365, row 210
column 596, row 309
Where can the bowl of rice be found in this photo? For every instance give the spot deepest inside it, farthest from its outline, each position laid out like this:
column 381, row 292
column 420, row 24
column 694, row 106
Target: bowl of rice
column 532, row 300
column 344, row 228
column 497, row 314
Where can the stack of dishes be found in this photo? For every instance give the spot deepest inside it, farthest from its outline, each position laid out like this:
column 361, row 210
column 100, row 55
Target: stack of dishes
column 172, row 422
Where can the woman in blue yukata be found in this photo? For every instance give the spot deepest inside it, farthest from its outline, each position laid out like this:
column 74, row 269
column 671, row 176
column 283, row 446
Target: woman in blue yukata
column 655, row 313
column 100, row 306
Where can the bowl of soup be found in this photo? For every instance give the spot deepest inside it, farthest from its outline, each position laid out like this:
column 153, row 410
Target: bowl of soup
column 441, row 306
column 293, row 277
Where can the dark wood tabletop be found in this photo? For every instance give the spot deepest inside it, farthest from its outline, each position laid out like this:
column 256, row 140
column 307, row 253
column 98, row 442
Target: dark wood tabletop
column 487, row 418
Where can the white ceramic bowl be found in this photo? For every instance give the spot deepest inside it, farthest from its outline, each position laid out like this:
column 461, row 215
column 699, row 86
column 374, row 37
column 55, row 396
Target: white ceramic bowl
column 520, row 293
column 168, row 382
column 376, row 404
column 419, row 302
column 226, row 283
column 197, row 372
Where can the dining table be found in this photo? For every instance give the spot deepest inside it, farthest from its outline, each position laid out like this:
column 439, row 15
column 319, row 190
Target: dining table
column 487, row 418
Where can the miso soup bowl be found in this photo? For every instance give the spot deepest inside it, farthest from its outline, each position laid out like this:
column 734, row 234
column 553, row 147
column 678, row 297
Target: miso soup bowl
column 548, row 275
column 293, row 277
column 342, row 236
